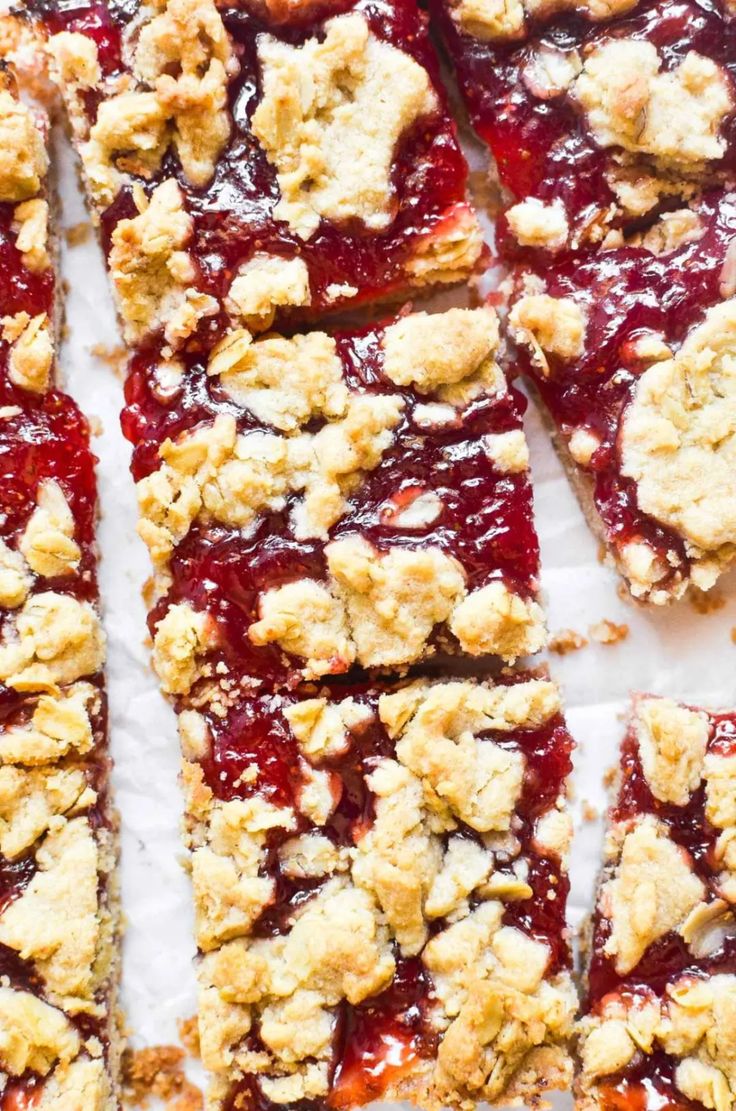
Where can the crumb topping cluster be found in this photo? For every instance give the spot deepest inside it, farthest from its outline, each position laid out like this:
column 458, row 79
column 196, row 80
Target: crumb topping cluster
column 664, row 914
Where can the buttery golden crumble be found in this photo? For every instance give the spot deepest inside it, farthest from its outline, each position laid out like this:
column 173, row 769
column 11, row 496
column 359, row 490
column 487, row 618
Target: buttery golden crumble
column 32, row 350
column 674, row 116
column 651, row 892
column 678, row 429
column 506, row 19
column 23, row 159
column 332, row 137
column 151, row 271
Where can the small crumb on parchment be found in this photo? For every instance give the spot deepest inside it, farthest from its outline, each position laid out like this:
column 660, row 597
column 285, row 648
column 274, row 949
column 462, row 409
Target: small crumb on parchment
column 189, row 1035
column 608, row 632
column 115, row 357
column 589, row 812
column 706, row 601
column 157, row 1072
column 78, row 233
column 566, row 640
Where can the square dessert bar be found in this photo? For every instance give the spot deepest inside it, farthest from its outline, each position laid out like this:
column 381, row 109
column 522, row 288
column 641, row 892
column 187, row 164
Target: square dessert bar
column 632, row 352
column 58, row 908
column 380, row 883
column 262, row 158
column 597, row 114
column 320, row 501
column 660, row 1017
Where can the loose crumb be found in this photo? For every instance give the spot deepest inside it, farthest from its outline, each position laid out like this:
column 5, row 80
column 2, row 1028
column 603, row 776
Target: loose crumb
column 590, row 813
column 189, row 1035
column 78, row 233
column 706, row 601
column 608, row 632
column 733, row 634
column 115, row 357
column 485, row 191
column 95, row 425
column 158, row 1072
column 566, row 640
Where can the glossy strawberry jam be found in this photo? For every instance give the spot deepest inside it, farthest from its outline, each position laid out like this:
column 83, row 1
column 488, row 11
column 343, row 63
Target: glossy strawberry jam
column 541, row 142
column 251, row 749
column 233, row 214
column 625, row 294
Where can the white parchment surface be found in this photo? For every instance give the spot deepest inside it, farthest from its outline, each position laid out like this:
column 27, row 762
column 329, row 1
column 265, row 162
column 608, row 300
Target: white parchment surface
column 678, row 652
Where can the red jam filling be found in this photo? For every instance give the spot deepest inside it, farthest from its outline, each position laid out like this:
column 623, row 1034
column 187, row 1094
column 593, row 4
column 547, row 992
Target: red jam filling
column 380, row 1039
column 542, row 146
column 21, row 290
column 233, row 214
column 624, row 294
column 648, row 1085
column 486, row 521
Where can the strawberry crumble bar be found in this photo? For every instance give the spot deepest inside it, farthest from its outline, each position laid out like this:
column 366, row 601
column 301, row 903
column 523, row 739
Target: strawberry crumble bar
column 320, row 501
column 59, row 1037
column 380, row 882
column 632, row 353
column 660, row 1018
column 598, row 114
column 263, row 159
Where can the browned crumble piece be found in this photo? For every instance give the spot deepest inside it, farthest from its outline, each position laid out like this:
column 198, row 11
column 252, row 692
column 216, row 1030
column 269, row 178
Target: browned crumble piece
column 115, row 357
column 608, row 632
column 565, row 641
column 78, row 233
column 189, row 1035
column 158, row 1072
column 705, row 602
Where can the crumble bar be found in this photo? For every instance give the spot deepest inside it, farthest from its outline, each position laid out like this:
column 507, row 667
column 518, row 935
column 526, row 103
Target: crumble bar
column 59, row 1038
column 597, row 114
column 320, row 501
column 661, row 1008
column 380, row 882
column 632, row 353
column 262, row 160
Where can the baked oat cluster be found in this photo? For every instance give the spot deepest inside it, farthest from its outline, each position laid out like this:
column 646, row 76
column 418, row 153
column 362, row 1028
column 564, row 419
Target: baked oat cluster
column 225, row 205
column 662, row 989
column 58, row 920
column 403, row 881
